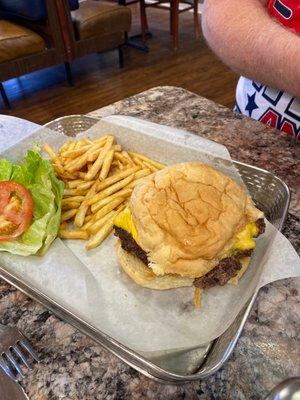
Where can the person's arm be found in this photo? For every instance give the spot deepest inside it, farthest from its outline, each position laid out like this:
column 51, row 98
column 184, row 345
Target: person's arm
column 250, row 42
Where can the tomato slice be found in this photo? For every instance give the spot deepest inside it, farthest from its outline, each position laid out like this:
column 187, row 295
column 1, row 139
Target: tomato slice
column 16, row 210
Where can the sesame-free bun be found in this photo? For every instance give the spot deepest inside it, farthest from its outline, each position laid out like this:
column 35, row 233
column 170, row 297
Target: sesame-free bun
column 144, row 276
column 186, row 216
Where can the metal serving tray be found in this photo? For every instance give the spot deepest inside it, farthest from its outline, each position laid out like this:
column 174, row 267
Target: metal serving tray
column 270, row 194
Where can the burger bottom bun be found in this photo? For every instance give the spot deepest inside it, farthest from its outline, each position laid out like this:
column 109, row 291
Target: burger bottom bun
column 144, row 276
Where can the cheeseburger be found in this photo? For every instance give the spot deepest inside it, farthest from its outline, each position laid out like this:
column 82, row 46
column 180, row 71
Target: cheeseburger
column 186, row 225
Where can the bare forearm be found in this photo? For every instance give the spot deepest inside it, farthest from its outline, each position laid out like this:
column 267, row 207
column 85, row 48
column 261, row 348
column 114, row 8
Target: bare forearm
column 244, row 36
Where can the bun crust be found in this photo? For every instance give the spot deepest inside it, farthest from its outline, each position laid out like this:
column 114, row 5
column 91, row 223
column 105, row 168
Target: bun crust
column 143, row 276
column 186, row 215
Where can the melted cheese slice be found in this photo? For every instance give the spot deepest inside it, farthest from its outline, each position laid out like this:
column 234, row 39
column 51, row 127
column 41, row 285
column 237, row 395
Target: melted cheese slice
column 124, row 220
column 242, row 240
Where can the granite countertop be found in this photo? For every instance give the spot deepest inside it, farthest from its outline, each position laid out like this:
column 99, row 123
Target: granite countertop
column 73, row 367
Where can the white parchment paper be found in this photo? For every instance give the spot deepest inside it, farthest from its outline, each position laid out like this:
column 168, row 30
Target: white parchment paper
column 91, row 284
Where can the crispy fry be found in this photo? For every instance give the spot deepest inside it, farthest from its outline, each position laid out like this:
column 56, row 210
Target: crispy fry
column 144, row 158
column 115, row 170
column 70, row 205
column 119, row 156
column 85, row 185
column 120, row 165
column 77, row 163
column 87, row 141
column 75, row 153
column 69, row 175
column 197, row 297
column 110, row 190
column 86, row 226
column 101, row 234
column 88, row 218
column 81, row 175
column 121, row 193
column 138, row 176
column 75, row 183
column 101, row 140
column 150, row 166
column 106, row 164
column 74, row 192
column 98, row 163
column 121, row 207
column 72, row 146
column 54, row 158
column 67, row 200
column 80, row 234
column 63, row 225
column 117, row 147
column 104, row 211
column 96, row 224
column 82, row 143
column 133, row 184
column 139, row 162
column 94, row 151
column 141, row 173
column 63, row 160
column 127, row 156
column 58, row 170
column 79, row 219
column 68, row 214
column 65, row 146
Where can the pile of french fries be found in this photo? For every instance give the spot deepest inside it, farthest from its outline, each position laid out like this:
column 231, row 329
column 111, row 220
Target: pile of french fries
column 99, row 177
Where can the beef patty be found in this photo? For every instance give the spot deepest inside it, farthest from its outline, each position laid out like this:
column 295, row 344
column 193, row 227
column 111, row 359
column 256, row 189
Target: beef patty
column 261, row 226
column 130, row 245
column 219, row 275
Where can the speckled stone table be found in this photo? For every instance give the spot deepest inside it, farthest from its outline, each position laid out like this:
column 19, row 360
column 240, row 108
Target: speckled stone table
column 74, row 368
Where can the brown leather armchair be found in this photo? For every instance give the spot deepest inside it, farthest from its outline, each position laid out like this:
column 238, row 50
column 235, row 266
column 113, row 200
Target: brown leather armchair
column 26, row 46
column 94, row 27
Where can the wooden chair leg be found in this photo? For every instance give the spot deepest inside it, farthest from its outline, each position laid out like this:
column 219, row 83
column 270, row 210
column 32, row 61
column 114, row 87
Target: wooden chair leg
column 196, row 20
column 144, row 22
column 69, row 73
column 175, row 23
column 4, row 96
column 121, row 57
column 171, row 20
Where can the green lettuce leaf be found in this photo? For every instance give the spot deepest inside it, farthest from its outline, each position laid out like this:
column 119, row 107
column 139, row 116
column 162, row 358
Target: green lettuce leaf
column 6, row 168
column 38, row 176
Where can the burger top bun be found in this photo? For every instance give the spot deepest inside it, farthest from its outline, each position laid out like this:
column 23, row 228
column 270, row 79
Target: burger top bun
column 186, row 216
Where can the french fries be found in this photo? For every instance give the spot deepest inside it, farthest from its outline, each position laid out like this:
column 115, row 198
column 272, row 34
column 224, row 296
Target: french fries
column 148, row 160
column 106, row 164
column 80, row 215
column 65, row 234
column 101, row 234
column 109, row 190
column 93, row 227
column 99, row 177
column 68, row 214
column 121, row 193
column 54, row 158
column 104, row 211
column 116, row 178
column 197, row 297
column 100, row 159
column 70, row 205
